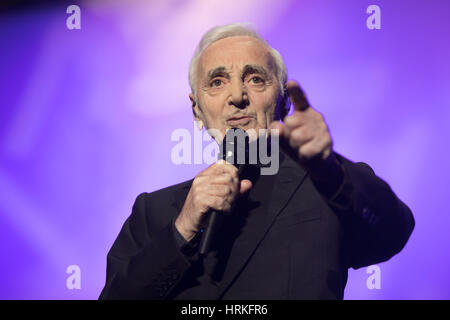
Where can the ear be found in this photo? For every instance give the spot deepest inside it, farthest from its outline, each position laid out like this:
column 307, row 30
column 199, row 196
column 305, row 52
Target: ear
column 196, row 111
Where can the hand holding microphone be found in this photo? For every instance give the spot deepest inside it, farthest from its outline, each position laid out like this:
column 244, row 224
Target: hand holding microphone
column 213, row 192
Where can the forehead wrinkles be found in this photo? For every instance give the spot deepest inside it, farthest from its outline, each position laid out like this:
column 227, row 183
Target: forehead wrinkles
column 221, row 53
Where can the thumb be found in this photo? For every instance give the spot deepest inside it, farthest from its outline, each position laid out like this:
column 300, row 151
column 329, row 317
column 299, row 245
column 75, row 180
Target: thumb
column 245, row 186
column 297, row 96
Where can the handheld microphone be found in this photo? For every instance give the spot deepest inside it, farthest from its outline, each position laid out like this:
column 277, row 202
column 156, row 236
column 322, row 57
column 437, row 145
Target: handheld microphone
column 234, row 150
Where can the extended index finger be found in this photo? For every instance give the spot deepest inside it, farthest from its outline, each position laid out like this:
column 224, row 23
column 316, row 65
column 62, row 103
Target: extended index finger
column 297, row 96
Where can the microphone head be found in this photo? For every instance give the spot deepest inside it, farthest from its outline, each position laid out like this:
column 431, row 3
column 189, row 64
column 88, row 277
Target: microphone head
column 235, row 147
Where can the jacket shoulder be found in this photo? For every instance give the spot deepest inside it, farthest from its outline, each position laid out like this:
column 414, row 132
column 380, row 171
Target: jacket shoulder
column 167, row 192
column 161, row 205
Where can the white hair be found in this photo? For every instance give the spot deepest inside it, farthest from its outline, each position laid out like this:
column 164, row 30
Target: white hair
column 233, row 30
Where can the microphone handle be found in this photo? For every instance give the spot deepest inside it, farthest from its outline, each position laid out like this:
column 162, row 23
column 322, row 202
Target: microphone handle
column 214, row 223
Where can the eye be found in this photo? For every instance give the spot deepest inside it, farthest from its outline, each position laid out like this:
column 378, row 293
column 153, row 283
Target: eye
column 256, row 80
column 216, row 83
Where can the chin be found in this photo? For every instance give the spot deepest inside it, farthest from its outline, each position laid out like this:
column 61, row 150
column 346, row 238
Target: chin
column 254, row 131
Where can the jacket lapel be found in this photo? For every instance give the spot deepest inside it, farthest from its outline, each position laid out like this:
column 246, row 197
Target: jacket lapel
column 289, row 178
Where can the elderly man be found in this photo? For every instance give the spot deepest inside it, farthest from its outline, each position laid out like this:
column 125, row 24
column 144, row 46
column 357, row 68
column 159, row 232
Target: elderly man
column 292, row 235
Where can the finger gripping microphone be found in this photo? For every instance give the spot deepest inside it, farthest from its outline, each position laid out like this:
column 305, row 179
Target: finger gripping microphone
column 234, row 150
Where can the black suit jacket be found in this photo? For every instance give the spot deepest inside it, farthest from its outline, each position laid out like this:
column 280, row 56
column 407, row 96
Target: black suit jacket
column 301, row 249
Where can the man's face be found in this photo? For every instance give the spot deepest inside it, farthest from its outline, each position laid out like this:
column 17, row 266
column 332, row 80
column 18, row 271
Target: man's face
column 236, row 85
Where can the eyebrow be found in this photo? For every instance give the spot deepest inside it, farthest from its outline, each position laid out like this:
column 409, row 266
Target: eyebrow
column 216, row 72
column 248, row 69
column 254, row 68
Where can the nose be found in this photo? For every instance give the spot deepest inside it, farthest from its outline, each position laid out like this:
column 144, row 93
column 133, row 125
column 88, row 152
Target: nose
column 238, row 96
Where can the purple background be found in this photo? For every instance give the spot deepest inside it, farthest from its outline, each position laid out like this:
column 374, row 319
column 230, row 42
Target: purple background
column 87, row 115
